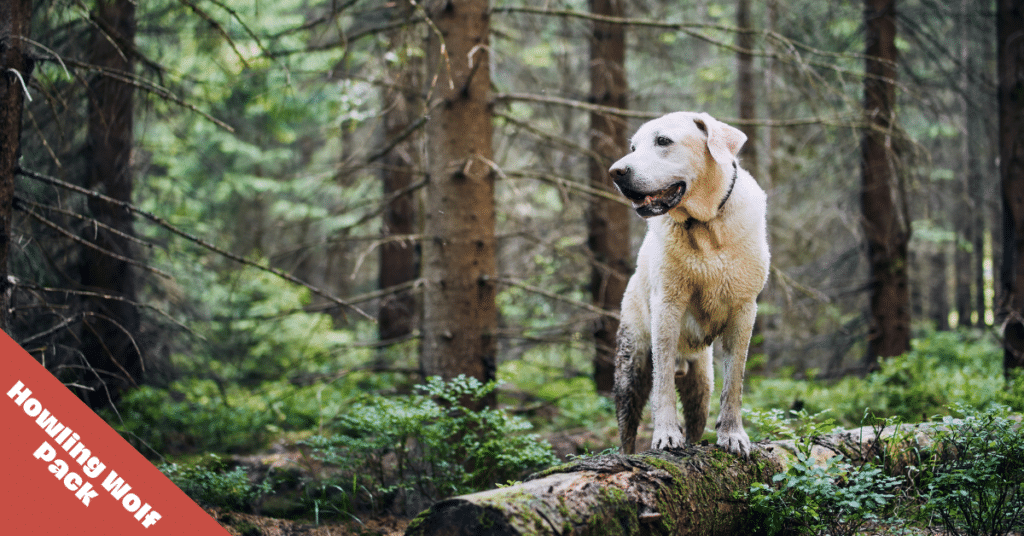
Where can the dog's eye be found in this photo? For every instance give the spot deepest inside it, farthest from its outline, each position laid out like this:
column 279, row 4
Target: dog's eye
column 632, row 148
column 662, row 141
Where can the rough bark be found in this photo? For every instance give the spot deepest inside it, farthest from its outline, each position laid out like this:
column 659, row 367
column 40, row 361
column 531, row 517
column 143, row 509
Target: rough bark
column 684, row 492
column 607, row 220
column 15, row 22
column 398, row 256
column 1009, row 22
column 109, row 335
column 459, row 265
column 884, row 222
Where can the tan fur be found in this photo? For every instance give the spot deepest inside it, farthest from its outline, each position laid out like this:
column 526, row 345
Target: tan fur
column 699, row 271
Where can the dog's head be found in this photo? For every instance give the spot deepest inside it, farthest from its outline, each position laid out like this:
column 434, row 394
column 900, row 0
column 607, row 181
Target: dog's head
column 682, row 159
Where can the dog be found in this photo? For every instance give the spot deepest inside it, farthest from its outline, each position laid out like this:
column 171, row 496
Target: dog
column 700, row 268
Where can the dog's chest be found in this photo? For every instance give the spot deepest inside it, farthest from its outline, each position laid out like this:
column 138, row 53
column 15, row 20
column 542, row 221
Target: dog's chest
column 707, row 282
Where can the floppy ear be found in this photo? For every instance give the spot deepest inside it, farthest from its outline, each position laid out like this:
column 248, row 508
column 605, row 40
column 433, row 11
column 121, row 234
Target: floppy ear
column 724, row 141
column 709, row 189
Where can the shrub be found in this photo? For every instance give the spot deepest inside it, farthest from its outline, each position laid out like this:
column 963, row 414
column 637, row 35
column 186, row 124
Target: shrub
column 211, row 484
column 836, row 498
column 943, row 368
column 973, row 474
column 427, row 446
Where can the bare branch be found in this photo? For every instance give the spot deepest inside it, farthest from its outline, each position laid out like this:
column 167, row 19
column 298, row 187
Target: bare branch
column 194, row 239
column 19, row 206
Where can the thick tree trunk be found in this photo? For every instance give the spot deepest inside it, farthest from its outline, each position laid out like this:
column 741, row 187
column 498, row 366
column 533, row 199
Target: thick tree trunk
column 686, row 492
column 884, row 221
column 109, row 335
column 459, row 265
column 1009, row 21
column 15, row 72
column 607, row 220
column 398, row 256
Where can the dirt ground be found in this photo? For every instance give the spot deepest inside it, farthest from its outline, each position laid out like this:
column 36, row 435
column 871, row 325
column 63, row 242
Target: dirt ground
column 287, row 457
column 238, row 524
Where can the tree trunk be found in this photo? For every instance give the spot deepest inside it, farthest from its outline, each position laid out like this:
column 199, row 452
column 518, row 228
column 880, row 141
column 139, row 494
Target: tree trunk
column 938, row 288
column 746, row 93
column 686, row 492
column 1009, row 21
column 402, row 107
column 607, row 220
column 884, row 220
column 459, row 309
column 109, row 334
column 15, row 72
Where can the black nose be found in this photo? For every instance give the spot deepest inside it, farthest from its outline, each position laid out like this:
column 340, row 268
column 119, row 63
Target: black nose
column 621, row 175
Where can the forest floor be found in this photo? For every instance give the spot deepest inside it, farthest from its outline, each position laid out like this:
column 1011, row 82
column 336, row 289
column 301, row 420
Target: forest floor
column 287, row 457
column 239, row 524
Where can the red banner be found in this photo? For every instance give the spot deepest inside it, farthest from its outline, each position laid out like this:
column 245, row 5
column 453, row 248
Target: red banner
column 65, row 471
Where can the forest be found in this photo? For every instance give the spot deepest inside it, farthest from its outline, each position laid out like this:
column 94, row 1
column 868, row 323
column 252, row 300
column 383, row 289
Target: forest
column 328, row 262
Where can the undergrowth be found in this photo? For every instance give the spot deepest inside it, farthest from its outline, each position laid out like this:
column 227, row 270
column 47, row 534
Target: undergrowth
column 967, row 478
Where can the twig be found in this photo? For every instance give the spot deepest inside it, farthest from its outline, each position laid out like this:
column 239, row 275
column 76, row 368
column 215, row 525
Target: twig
column 149, row 87
column 18, row 205
column 90, row 221
column 194, row 239
column 570, row 185
column 555, row 296
column 93, row 294
column 422, row 120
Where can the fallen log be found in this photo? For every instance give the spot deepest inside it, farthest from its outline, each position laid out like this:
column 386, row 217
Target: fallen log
column 693, row 491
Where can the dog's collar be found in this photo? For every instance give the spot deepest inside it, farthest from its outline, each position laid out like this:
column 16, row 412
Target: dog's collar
column 732, row 184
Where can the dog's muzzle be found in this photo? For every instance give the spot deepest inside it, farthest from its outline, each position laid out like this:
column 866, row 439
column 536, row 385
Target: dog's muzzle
column 648, row 204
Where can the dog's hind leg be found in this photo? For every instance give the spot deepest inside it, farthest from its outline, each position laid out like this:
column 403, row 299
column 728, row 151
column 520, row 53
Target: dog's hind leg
column 632, row 386
column 694, row 382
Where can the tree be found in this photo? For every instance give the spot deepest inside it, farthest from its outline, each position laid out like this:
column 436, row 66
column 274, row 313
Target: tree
column 459, row 264
column 402, row 109
column 1010, row 42
column 109, row 332
column 15, row 70
column 886, row 228
column 607, row 219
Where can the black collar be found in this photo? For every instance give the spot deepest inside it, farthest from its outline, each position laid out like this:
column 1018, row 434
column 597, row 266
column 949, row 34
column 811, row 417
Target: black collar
column 735, row 174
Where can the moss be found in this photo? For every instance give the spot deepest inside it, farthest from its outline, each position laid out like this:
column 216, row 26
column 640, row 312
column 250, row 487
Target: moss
column 562, row 468
column 414, row 526
column 624, row 512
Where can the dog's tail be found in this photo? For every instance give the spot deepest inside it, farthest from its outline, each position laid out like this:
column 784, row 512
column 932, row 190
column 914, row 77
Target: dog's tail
column 632, row 387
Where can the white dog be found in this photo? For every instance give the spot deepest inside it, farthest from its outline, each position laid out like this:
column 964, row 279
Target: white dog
column 700, row 268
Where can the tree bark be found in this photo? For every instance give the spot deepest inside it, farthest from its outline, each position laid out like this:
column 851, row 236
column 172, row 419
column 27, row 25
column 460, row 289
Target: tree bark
column 684, row 492
column 607, row 219
column 398, row 259
column 15, row 72
column 109, row 335
column 459, row 265
column 1010, row 42
column 886, row 229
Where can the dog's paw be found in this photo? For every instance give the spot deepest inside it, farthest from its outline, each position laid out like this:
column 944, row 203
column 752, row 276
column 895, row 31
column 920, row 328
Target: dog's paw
column 735, row 441
column 668, row 437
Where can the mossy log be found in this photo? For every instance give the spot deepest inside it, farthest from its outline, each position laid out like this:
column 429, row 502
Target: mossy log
column 692, row 491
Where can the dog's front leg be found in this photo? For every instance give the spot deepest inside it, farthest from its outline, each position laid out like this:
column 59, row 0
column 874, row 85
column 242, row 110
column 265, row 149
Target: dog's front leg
column 665, row 326
column 735, row 342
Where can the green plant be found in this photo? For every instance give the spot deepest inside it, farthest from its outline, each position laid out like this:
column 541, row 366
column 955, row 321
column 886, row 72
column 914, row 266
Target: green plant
column 834, row 498
column 210, row 483
column 973, row 480
column 790, row 424
column 429, row 446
